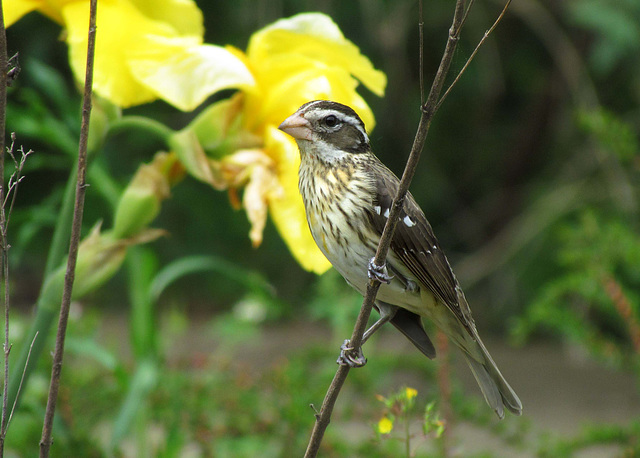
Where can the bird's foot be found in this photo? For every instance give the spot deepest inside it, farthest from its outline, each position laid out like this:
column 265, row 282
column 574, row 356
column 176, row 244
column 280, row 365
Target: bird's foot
column 352, row 357
column 376, row 272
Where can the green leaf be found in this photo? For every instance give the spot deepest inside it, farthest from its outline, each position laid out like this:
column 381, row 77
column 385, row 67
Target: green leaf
column 194, row 264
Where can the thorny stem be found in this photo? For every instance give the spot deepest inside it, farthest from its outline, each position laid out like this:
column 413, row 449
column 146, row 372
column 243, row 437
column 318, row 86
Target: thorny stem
column 428, row 111
column 45, row 441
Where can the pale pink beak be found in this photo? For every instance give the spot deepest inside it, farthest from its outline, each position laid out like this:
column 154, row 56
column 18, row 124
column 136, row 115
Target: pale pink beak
column 296, row 126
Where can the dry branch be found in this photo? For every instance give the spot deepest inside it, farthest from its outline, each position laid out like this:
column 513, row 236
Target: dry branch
column 45, row 441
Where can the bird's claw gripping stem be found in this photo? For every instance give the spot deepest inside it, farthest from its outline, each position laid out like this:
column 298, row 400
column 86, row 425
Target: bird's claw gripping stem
column 352, row 357
column 376, row 272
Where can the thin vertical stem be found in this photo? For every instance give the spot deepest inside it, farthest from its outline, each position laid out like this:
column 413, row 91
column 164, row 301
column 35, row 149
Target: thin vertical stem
column 45, row 441
column 5, row 246
column 421, row 51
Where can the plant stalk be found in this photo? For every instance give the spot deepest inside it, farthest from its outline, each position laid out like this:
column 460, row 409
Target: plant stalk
column 45, row 441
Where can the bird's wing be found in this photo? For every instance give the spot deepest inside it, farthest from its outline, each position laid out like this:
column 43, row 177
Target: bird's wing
column 415, row 244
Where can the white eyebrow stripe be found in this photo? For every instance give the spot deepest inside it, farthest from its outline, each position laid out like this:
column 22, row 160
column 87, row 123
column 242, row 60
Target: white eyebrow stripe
column 386, row 213
column 377, row 209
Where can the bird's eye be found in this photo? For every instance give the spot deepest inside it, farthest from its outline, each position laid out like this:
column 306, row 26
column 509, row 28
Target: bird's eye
column 331, row 121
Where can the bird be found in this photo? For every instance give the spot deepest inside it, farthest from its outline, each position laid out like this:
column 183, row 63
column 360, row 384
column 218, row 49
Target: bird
column 347, row 193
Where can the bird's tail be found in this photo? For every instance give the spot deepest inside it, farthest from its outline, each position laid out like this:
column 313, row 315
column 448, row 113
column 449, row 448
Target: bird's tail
column 497, row 392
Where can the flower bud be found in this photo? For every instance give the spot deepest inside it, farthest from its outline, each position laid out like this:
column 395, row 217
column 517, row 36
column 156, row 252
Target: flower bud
column 140, row 202
column 100, row 255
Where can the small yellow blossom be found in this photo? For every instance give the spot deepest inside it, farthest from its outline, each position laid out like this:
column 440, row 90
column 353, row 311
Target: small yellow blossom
column 410, row 393
column 385, row 425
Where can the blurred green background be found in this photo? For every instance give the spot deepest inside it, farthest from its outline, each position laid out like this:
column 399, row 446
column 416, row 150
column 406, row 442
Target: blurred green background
column 529, row 179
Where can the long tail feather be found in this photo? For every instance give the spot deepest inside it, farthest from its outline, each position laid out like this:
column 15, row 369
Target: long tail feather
column 497, row 392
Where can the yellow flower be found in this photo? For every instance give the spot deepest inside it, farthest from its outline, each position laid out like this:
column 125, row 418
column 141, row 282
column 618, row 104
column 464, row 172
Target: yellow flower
column 410, row 393
column 385, row 425
column 145, row 50
column 292, row 61
column 154, row 49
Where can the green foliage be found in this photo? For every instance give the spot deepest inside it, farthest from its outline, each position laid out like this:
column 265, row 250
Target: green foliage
column 625, row 438
column 616, row 24
column 594, row 301
column 611, row 133
column 522, row 136
column 593, row 253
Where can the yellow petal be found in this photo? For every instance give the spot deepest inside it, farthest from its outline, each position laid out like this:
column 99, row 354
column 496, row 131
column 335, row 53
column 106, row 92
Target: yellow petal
column 287, row 209
column 410, row 393
column 183, row 15
column 15, row 9
column 122, row 33
column 286, row 82
column 125, row 35
column 385, row 425
column 185, row 73
column 316, row 36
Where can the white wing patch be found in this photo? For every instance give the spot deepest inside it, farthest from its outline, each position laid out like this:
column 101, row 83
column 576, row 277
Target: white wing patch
column 408, row 221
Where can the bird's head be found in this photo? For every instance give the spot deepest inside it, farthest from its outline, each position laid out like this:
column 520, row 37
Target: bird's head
column 328, row 128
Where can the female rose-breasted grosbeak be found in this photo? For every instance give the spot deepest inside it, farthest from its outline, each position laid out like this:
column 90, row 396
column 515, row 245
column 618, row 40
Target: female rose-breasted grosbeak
column 347, row 194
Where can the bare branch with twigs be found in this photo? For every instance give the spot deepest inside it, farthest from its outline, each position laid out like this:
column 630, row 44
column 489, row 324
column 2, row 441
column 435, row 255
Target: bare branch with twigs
column 4, row 64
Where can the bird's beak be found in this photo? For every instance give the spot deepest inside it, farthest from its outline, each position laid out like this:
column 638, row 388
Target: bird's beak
column 296, row 126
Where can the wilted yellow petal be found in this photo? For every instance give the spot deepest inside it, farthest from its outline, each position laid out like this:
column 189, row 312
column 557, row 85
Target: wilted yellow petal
column 185, row 73
column 287, row 209
column 385, row 425
column 316, row 36
column 262, row 184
